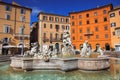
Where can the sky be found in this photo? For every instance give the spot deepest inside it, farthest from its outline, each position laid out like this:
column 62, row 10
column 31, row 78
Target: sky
column 62, row 7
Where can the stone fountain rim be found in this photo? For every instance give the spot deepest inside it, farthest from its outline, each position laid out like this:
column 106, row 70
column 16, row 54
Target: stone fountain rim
column 29, row 58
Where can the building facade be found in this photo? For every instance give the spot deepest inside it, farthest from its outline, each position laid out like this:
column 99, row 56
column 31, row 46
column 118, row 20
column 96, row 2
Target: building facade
column 115, row 28
column 51, row 27
column 92, row 25
column 14, row 23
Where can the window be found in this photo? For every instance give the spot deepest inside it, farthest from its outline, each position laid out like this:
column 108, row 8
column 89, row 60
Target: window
column 118, row 32
column 50, row 26
column 72, row 17
column 6, row 29
column 51, row 18
column 45, row 18
column 80, row 30
column 112, row 15
column 44, row 25
column 104, row 11
column 88, row 22
column 88, row 30
column 95, row 14
column 105, row 28
column 62, row 19
column 113, row 33
column 22, row 11
column 80, row 16
column 57, row 28
column 61, row 36
column 56, row 36
column 67, row 27
column 87, row 15
column 96, row 29
column 21, row 30
column 73, row 31
column 96, row 20
column 73, row 23
column 88, row 37
column 80, row 37
column 57, row 19
column 67, row 20
column 7, row 16
column 63, row 27
column 106, row 35
column 44, row 35
column 113, row 24
column 50, row 36
column 97, row 36
column 73, row 38
column 8, row 8
column 22, row 18
column 80, row 23
column 105, row 19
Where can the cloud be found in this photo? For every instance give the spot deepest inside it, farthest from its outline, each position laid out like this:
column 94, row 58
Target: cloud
column 35, row 11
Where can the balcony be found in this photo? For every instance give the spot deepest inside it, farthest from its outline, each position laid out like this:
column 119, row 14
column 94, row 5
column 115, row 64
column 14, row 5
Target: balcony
column 88, row 33
column 117, row 28
column 56, row 40
column 45, row 39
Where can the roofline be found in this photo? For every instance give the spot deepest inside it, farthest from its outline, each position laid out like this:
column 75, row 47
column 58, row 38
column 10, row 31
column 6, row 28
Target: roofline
column 114, row 9
column 51, row 14
column 1, row 2
column 92, row 9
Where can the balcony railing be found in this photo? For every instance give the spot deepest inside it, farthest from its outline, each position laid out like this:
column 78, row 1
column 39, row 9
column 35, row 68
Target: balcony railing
column 56, row 40
column 88, row 33
column 19, row 35
column 45, row 39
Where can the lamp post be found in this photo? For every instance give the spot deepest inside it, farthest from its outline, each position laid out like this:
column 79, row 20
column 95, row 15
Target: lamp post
column 22, row 34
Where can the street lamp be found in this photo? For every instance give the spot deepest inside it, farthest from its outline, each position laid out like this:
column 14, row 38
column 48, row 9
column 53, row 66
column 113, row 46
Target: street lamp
column 22, row 34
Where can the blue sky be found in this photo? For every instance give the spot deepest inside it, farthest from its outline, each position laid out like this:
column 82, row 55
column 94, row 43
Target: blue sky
column 62, row 7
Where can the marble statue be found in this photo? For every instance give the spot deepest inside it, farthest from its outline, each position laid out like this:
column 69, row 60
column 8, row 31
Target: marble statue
column 67, row 46
column 99, row 50
column 35, row 52
column 86, row 50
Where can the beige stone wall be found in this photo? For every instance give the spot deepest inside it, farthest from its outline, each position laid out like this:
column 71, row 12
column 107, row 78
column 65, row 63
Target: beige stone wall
column 48, row 30
column 114, row 38
column 14, row 24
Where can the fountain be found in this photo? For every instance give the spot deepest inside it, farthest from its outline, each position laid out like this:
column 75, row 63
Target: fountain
column 49, row 60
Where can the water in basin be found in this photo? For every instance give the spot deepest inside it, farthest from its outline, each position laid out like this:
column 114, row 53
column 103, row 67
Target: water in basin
column 7, row 74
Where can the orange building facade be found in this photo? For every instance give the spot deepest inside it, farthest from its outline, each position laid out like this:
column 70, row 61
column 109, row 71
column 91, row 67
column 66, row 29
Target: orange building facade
column 115, row 28
column 92, row 25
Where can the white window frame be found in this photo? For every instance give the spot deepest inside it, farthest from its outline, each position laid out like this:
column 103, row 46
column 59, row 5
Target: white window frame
column 22, row 18
column 6, row 29
column 6, row 16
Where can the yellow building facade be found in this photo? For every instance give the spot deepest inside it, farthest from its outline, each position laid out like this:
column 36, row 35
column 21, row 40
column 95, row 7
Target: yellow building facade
column 14, row 22
column 115, row 28
column 50, row 31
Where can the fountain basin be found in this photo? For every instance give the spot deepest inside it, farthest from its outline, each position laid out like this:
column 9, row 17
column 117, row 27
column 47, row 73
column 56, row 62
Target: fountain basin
column 64, row 64
column 26, row 63
column 93, row 64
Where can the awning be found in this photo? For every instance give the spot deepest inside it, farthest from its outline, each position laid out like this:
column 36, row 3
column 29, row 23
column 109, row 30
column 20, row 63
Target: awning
column 20, row 46
column 12, row 46
column 9, row 46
